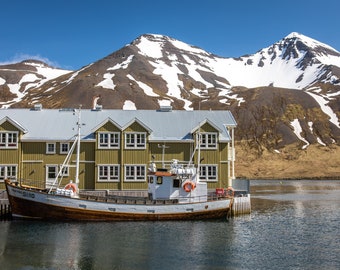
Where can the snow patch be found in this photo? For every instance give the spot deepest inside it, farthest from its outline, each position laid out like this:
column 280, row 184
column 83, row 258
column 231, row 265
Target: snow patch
column 129, row 105
column 107, row 82
column 192, row 72
column 147, row 89
column 310, row 124
column 164, row 102
column 122, row 65
column 325, row 108
column 297, row 130
column 150, row 48
column 170, row 75
column 186, row 47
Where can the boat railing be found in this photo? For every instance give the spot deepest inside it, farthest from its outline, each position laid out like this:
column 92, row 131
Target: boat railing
column 144, row 200
column 172, row 164
column 36, row 184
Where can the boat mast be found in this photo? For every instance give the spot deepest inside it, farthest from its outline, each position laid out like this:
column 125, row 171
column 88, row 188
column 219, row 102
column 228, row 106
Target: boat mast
column 78, row 147
column 199, row 153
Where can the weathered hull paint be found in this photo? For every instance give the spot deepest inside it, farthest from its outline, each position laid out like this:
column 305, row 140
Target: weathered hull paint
column 35, row 204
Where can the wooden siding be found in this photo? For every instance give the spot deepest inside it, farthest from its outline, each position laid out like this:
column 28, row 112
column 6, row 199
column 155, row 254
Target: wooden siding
column 32, row 159
column 180, row 151
column 7, row 126
column 122, row 157
column 135, row 127
column 109, row 126
column 207, row 128
column 34, row 150
column 223, row 150
column 9, row 156
column 223, row 175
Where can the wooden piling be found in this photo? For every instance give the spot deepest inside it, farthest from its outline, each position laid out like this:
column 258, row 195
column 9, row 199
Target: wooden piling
column 5, row 210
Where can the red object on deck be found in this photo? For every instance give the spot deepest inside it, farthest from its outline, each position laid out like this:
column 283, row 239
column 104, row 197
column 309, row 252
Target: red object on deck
column 219, row 191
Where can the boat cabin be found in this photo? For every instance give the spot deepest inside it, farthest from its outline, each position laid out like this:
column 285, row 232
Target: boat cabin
column 179, row 183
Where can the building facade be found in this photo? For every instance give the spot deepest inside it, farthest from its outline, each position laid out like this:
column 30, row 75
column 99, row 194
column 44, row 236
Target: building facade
column 116, row 145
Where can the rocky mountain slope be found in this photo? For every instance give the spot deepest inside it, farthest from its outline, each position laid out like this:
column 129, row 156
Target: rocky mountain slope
column 285, row 95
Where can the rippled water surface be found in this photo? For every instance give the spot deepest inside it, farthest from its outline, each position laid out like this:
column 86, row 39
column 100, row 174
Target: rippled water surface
column 293, row 225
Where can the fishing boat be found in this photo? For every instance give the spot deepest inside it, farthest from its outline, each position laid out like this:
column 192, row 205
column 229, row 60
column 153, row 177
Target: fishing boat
column 174, row 193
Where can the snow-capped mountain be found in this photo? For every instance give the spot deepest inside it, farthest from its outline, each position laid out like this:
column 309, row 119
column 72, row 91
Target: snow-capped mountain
column 16, row 80
column 294, row 83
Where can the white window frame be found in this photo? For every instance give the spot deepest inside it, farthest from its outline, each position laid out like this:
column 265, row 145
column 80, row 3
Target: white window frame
column 208, row 140
column 132, row 173
column 49, row 166
column 9, row 140
column 48, row 151
column 112, row 140
column 62, row 151
column 8, row 171
column 135, row 140
column 209, row 172
column 108, row 173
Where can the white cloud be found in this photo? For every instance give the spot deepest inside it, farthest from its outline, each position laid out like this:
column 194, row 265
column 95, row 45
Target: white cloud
column 19, row 57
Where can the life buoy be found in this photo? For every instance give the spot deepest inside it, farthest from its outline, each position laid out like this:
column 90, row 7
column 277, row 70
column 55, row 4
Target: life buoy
column 71, row 186
column 230, row 192
column 189, row 186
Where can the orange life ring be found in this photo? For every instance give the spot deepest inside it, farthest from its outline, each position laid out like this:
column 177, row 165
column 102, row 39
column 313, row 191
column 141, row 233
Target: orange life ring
column 71, row 186
column 189, row 186
column 230, row 192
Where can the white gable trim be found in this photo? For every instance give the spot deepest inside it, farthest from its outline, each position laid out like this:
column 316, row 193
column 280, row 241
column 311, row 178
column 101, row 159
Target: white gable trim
column 14, row 123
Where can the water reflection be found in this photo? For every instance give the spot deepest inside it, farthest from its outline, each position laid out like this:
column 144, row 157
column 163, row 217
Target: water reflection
column 293, row 225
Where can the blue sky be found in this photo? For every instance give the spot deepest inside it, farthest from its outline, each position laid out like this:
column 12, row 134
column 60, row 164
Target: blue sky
column 71, row 34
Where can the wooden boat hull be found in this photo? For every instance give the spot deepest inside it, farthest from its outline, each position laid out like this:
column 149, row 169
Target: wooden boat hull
column 35, row 204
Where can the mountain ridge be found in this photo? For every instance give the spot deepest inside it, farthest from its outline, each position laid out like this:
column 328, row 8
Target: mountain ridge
column 287, row 93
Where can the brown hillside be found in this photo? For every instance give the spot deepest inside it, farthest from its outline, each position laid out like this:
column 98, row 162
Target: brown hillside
column 315, row 162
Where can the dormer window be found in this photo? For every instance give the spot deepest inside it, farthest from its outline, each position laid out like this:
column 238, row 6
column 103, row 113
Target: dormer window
column 108, row 140
column 208, row 140
column 8, row 140
column 135, row 140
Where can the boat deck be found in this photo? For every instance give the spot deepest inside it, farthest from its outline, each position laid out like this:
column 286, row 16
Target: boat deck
column 137, row 200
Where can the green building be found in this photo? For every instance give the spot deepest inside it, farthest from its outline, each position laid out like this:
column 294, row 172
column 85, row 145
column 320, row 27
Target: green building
column 116, row 145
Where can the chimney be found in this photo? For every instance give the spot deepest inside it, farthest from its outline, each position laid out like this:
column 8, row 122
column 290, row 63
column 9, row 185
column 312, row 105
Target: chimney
column 94, row 102
column 37, row 107
column 166, row 108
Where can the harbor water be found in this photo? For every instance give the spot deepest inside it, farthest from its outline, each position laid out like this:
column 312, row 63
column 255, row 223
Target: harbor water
column 293, row 225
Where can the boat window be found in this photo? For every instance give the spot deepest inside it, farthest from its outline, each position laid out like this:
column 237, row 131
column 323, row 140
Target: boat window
column 151, row 180
column 159, row 180
column 176, row 183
